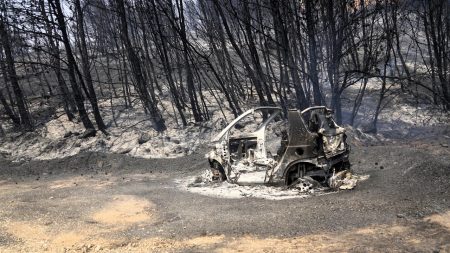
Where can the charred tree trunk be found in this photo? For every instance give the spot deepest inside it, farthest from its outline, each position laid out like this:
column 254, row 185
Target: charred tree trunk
column 67, row 99
column 151, row 106
column 86, row 70
column 79, row 98
column 254, row 53
column 25, row 119
column 312, row 45
column 255, row 80
column 8, row 110
column 287, row 57
column 335, row 23
column 189, row 76
column 436, row 12
column 163, row 53
column 5, row 79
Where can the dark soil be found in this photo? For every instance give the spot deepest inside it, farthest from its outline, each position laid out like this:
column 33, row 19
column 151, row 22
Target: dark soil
column 81, row 203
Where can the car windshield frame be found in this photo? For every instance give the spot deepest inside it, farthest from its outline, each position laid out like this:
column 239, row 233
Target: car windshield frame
column 243, row 115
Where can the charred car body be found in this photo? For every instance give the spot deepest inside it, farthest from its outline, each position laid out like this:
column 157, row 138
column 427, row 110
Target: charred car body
column 260, row 147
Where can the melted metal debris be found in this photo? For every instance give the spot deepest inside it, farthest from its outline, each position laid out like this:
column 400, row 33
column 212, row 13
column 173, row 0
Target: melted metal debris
column 305, row 187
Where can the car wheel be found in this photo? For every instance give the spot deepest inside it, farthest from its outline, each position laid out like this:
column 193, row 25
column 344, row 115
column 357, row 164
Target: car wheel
column 295, row 172
column 218, row 172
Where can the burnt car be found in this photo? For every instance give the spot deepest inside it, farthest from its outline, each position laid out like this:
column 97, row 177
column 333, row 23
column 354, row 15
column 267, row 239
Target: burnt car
column 260, row 146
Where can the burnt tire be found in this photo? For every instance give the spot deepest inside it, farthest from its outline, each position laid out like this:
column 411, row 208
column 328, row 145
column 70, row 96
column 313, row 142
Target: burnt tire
column 301, row 170
column 218, row 172
column 295, row 172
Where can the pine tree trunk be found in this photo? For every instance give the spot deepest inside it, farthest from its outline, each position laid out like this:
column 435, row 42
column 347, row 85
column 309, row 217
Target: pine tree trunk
column 151, row 106
column 8, row 110
column 86, row 70
column 25, row 120
column 312, row 45
column 79, row 98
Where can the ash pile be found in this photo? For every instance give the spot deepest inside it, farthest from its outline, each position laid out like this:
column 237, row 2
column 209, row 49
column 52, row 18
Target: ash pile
column 204, row 184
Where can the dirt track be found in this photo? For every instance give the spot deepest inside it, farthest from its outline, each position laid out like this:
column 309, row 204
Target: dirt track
column 97, row 202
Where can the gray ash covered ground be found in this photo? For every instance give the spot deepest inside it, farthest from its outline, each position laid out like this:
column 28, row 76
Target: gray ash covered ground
column 110, row 202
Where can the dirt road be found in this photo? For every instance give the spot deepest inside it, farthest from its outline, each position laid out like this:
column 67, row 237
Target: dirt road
column 115, row 203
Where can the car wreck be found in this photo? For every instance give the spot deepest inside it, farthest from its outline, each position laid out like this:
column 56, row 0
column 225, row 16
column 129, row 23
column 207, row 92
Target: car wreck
column 260, row 147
